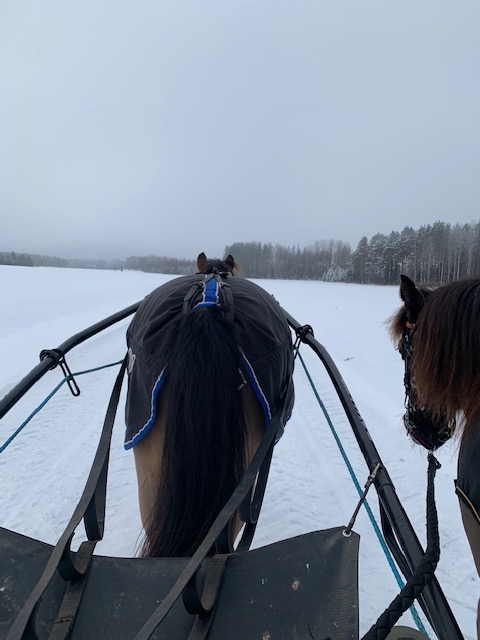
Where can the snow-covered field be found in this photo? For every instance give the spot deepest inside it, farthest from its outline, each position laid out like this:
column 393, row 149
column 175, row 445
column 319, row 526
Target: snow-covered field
column 43, row 471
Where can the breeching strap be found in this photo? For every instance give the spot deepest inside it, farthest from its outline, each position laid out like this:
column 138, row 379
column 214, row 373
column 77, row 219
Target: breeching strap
column 90, row 508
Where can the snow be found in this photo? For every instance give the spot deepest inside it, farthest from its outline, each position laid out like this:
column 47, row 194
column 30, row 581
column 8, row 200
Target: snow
column 44, row 470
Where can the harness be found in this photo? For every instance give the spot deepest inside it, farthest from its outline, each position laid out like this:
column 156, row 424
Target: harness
column 213, row 291
column 258, row 325
column 419, row 422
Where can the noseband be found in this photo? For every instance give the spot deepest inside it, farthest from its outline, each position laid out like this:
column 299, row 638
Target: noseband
column 420, row 425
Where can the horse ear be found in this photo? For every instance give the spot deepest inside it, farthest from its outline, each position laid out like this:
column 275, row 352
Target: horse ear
column 412, row 297
column 230, row 262
column 201, row 262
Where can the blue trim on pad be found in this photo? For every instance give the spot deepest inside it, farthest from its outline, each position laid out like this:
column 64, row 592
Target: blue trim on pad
column 258, row 390
column 153, row 412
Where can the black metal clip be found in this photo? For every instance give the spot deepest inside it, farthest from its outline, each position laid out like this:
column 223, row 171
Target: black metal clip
column 371, row 478
column 58, row 358
column 302, row 333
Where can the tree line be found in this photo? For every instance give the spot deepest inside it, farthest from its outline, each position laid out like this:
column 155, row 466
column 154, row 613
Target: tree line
column 16, row 259
column 431, row 254
column 153, row 264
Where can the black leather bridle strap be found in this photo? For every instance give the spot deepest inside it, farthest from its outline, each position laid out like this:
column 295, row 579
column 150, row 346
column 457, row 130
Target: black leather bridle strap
column 425, row 429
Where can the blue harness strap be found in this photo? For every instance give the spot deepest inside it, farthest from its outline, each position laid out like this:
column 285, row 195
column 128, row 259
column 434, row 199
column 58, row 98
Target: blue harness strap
column 210, row 297
column 213, row 291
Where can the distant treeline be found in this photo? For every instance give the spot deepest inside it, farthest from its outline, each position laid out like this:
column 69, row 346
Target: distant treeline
column 153, row 264
column 162, row 264
column 432, row 254
column 35, row 260
column 17, row 259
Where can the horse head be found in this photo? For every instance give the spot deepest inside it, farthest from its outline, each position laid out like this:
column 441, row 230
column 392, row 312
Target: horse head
column 214, row 265
column 426, row 428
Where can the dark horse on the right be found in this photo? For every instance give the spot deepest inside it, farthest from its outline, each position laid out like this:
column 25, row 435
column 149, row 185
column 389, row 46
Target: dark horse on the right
column 438, row 334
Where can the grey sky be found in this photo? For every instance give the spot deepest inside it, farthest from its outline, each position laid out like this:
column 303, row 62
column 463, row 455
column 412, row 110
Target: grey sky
column 153, row 127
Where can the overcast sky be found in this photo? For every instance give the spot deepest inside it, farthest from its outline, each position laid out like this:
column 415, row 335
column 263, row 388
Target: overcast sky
column 172, row 127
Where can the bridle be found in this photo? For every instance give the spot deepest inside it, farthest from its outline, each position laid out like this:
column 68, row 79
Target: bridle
column 420, row 425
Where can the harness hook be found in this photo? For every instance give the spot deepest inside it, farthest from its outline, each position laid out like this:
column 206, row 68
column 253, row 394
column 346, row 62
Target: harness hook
column 58, row 358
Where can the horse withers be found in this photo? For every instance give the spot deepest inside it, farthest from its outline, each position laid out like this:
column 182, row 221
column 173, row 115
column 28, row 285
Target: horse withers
column 210, row 359
column 438, row 335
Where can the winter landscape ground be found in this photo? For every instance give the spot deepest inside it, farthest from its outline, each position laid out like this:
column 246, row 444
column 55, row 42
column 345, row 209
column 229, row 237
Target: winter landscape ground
column 44, row 469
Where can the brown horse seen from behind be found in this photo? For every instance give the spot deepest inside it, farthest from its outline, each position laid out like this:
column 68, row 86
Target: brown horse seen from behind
column 210, row 358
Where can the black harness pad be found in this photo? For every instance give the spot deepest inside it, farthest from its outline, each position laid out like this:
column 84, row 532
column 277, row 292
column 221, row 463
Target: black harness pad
column 265, row 339
column 300, row 588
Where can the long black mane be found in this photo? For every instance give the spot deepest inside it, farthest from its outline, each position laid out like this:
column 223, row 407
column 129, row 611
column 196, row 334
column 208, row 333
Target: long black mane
column 204, row 446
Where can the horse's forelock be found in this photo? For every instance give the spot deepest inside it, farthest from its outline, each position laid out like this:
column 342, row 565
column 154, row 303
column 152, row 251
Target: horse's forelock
column 396, row 325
